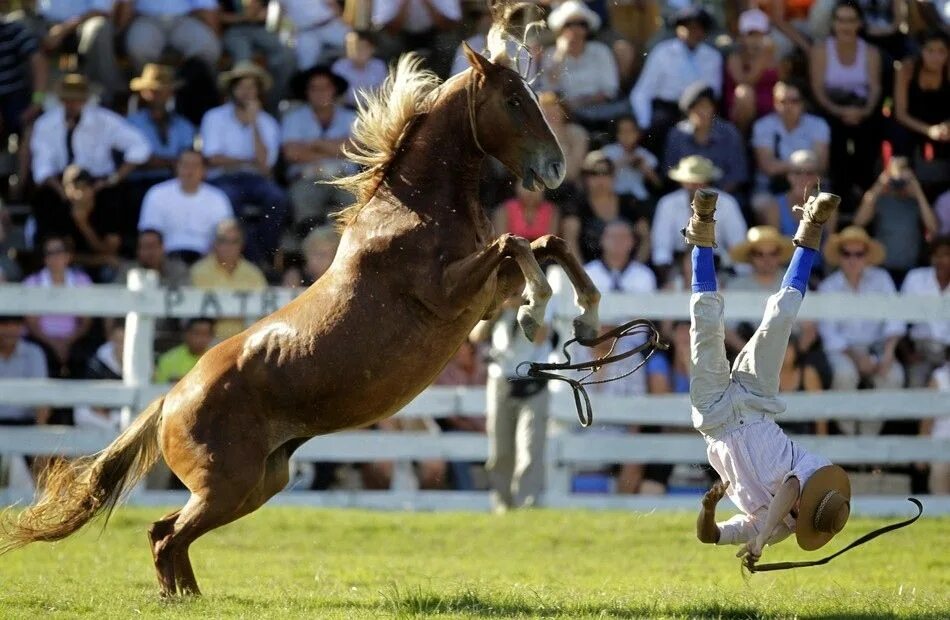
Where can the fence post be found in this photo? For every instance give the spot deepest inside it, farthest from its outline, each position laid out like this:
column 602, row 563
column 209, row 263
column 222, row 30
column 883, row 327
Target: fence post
column 139, row 340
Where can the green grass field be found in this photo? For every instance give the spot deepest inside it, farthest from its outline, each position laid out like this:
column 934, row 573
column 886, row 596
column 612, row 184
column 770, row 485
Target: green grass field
column 308, row 563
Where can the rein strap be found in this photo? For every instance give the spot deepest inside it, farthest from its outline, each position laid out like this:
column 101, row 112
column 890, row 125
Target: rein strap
column 585, row 413
column 867, row 537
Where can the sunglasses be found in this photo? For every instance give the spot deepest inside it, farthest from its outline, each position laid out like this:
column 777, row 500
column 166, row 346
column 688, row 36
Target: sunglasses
column 761, row 254
column 229, row 240
column 789, row 100
column 576, row 24
column 860, row 254
column 54, row 251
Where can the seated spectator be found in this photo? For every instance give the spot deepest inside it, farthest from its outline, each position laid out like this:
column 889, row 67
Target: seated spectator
column 319, row 250
column 584, row 73
column 20, row 359
column 168, row 133
column 84, row 27
column 861, row 352
column 187, row 26
column 706, row 135
column 801, row 181
column 225, row 268
column 61, row 336
column 526, row 215
column 797, row 375
column 636, row 166
column 939, row 428
column 845, row 74
column 178, row 362
column 186, row 210
column 600, row 204
column 429, row 27
column 929, row 339
column 246, row 34
column 10, row 270
column 312, row 137
column 362, row 71
column 671, row 66
column 617, row 269
column 242, row 143
column 172, row 273
column 83, row 133
column 885, row 25
column 319, row 32
column 23, row 75
column 786, row 130
column 95, row 228
column 574, row 141
column 106, row 364
column 901, row 215
column 672, row 210
column 922, row 98
column 466, row 368
column 751, row 72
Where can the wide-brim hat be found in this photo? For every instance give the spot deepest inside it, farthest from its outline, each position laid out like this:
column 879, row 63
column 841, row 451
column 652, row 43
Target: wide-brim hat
column 298, row 84
column 852, row 234
column 597, row 162
column 155, row 77
column 245, row 69
column 756, row 237
column 73, row 87
column 570, row 10
column 693, row 93
column 824, row 507
column 695, row 169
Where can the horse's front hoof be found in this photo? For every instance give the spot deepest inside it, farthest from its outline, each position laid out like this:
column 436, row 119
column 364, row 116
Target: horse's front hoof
column 584, row 331
column 529, row 325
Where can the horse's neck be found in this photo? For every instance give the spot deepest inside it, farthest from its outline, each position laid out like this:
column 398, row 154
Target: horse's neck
column 438, row 168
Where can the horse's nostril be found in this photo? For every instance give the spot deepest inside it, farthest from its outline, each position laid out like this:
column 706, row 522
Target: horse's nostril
column 556, row 169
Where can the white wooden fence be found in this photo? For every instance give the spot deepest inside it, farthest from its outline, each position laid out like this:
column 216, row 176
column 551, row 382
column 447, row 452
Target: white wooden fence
column 569, row 448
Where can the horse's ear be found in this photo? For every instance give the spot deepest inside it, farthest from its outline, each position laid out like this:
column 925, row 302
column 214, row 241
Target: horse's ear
column 479, row 63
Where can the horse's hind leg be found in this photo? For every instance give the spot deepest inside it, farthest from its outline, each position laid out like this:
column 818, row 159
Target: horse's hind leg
column 202, row 519
column 165, row 569
column 587, row 324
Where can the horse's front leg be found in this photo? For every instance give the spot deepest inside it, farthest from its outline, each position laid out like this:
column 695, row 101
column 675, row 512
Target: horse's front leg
column 464, row 278
column 586, row 295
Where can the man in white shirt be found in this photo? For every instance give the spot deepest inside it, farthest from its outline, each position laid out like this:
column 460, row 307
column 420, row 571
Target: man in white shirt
column 671, row 66
column 185, row 210
column 187, row 26
column 318, row 30
column 780, row 487
column 616, row 269
column 241, row 143
column 426, row 26
column 932, row 338
column 313, row 136
column 692, row 173
column 85, row 134
column 786, row 130
column 860, row 349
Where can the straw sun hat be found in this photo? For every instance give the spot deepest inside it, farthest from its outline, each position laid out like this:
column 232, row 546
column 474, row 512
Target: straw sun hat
column 570, row 10
column 853, row 234
column 695, row 169
column 154, row 77
column 759, row 236
column 73, row 87
column 824, row 507
column 243, row 70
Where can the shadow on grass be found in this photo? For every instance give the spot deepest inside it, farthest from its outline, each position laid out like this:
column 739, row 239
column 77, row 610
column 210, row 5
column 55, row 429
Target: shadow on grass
column 421, row 603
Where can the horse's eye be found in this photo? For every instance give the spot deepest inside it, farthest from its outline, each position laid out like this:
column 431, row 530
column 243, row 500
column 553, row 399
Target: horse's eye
column 514, row 102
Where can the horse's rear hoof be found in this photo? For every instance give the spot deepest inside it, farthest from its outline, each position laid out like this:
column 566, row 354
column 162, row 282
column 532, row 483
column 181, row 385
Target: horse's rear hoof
column 584, row 331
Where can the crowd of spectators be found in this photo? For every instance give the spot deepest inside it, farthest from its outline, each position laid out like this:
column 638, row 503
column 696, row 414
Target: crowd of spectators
column 188, row 137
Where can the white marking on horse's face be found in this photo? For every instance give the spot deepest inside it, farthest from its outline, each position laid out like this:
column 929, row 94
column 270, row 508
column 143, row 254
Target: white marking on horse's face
column 534, row 97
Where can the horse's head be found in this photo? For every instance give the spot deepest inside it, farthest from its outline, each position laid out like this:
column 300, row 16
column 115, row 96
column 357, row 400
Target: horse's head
column 508, row 123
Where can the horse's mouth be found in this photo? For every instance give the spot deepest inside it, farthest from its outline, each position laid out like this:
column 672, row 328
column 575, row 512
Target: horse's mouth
column 533, row 182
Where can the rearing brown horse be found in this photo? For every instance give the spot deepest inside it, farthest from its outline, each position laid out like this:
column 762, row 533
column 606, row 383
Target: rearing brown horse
column 418, row 266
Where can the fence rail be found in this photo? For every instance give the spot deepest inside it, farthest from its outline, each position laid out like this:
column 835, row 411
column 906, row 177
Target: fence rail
column 142, row 302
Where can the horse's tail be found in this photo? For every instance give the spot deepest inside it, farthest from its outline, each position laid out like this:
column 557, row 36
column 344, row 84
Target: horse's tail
column 73, row 492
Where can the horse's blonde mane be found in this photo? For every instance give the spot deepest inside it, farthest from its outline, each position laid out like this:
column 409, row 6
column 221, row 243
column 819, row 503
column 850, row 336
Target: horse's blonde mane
column 383, row 118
